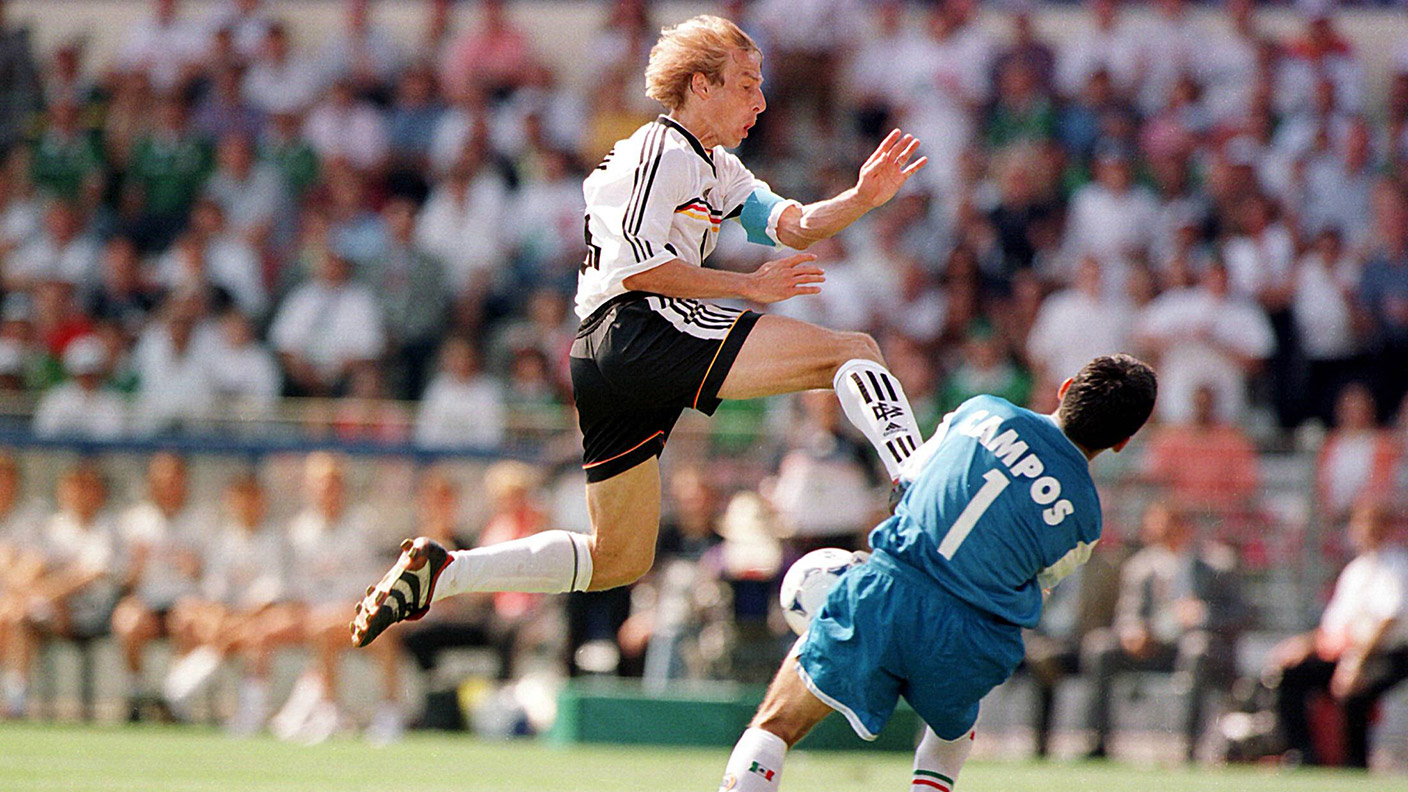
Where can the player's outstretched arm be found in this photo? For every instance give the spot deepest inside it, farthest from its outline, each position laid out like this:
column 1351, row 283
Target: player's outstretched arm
column 882, row 175
column 773, row 282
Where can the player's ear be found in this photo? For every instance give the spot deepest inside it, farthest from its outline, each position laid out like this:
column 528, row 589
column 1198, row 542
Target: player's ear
column 1065, row 386
column 1117, row 447
column 699, row 85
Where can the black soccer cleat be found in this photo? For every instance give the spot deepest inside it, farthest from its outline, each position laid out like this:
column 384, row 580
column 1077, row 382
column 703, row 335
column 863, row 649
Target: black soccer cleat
column 404, row 592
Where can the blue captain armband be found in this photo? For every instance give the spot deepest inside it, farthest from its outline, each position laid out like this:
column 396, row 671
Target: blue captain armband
column 760, row 213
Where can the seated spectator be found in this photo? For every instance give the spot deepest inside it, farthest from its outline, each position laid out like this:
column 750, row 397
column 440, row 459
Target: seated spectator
column 21, row 214
column 249, row 192
column 356, row 231
column 333, row 556
column 1108, row 44
column 164, row 46
column 82, row 408
column 242, row 372
column 124, row 294
column 1383, row 292
column 493, row 58
column 161, row 539
column 224, row 111
column 242, row 611
column 247, row 21
column 72, row 590
column 1023, row 112
column 415, row 114
column 67, row 161
column 1179, row 610
column 174, row 390
column 344, row 127
column 1111, row 218
column 826, row 480
column 462, row 224
column 1357, row 654
column 456, row 621
column 361, row 53
column 20, row 520
column 169, row 167
column 985, row 368
column 410, row 284
column 62, row 251
column 1358, row 462
column 1083, row 602
column 1207, row 463
column 326, row 328
column 1077, row 324
column 284, row 147
column 462, row 406
column 1204, row 337
column 1325, row 311
column 277, row 82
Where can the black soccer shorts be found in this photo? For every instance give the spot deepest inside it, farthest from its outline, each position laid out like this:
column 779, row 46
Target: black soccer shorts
column 638, row 362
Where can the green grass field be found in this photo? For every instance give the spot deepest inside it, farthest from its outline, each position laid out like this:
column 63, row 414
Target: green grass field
column 78, row 759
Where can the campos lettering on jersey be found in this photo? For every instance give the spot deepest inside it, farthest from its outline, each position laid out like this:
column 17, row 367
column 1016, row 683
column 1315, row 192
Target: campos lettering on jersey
column 1012, row 451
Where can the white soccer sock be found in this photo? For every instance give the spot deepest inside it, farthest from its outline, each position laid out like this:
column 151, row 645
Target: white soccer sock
column 937, row 761
column 874, row 401
column 756, row 763
column 551, row 562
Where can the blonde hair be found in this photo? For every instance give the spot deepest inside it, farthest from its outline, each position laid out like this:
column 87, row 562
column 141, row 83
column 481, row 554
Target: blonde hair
column 700, row 45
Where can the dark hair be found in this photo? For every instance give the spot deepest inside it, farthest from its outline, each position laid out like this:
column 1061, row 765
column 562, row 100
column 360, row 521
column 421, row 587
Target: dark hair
column 1108, row 400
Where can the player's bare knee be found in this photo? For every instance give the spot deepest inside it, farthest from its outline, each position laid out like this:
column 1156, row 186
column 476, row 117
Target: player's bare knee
column 610, row 570
column 852, row 346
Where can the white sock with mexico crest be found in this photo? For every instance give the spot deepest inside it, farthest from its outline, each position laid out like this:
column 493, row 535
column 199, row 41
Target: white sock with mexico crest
column 756, row 763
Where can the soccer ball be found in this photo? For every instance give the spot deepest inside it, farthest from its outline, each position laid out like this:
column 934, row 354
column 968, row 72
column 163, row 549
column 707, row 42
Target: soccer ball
column 806, row 584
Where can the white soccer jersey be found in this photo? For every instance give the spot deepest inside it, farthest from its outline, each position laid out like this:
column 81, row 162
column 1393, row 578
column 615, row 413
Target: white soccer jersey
column 660, row 195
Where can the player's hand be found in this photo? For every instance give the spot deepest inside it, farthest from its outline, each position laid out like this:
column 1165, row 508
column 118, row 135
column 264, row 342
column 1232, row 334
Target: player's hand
column 784, row 278
column 885, row 172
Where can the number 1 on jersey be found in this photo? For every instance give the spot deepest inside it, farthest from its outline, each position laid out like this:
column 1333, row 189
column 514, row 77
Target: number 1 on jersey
column 993, row 485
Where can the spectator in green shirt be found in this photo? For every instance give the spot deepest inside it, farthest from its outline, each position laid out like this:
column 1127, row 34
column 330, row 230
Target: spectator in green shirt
column 986, row 368
column 168, row 169
column 67, row 162
column 286, row 149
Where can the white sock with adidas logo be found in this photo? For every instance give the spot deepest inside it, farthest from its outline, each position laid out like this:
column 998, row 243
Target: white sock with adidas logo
column 874, row 401
column 756, row 763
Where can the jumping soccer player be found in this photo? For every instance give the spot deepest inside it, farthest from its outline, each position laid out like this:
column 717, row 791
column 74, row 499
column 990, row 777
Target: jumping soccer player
column 648, row 345
column 1000, row 505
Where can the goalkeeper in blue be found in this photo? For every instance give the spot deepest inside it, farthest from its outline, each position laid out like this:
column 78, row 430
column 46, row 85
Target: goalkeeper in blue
column 999, row 507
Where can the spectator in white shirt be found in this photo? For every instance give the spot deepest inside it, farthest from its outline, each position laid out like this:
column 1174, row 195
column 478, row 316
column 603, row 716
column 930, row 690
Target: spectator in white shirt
column 325, row 328
column 247, row 21
column 361, row 52
column 1075, row 325
column 1107, row 44
column 62, row 251
column 213, row 263
column 463, row 406
column 825, row 479
column 1338, row 183
column 81, row 408
column 72, row 592
column 278, row 82
column 1204, row 337
column 1319, row 55
column 462, row 224
column 251, row 193
column 161, row 538
column 1324, row 309
column 344, row 127
column 1111, row 218
column 1360, row 650
column 333, row 551
column 1260, row 258
column 164, row 46
column 174, row 389
column 243, row 373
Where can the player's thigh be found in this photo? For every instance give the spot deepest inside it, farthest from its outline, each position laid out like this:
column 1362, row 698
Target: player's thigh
column 785, row 355
column 789, row 709
column 625, row 515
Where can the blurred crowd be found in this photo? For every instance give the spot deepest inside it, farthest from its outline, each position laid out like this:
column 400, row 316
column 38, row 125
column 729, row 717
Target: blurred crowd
column 223, row 213
column 226, row 214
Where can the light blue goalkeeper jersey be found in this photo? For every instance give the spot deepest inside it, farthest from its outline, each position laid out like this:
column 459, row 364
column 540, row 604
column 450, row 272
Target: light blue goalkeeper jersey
column 1000, row 506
